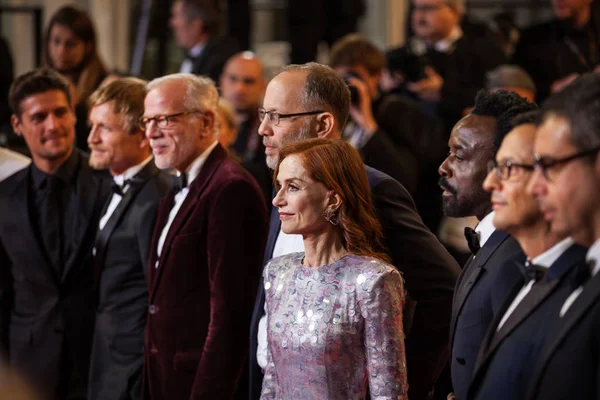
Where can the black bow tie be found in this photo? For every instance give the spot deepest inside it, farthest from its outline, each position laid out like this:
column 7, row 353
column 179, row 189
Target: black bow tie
column 118, row 189
column 532, row 271
column 181, row 181
column 472, row 240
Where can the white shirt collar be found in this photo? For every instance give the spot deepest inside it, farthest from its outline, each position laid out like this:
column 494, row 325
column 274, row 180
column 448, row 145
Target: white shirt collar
column 485, row 228
column 194, row 169
column 446, row 45
column 196, row 50
column 593, row 254
column 547, row 258
column 130, row 172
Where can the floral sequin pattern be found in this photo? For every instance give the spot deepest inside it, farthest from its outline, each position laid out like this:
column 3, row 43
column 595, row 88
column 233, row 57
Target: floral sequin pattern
column 334, row 330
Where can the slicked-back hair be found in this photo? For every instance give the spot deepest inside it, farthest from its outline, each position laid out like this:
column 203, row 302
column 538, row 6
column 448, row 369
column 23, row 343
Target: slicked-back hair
column 504, row 106
column 353, row 50
column 206, row 10
column 579, row 105
column 324, row 88
column 127, row 95
column 39, row 80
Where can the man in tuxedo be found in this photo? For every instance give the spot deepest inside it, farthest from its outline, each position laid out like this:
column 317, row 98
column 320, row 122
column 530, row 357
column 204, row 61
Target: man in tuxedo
column 311, row 100
column 473, row 143
column 48, row 220
column 567, row 185
column 196, row 26
column 206, row 249
column 537, row 289
column 122, row 243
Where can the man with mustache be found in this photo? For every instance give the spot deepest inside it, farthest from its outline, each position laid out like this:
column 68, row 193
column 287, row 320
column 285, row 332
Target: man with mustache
column 48, row 220
column 473, row 143
column 311, row 100
column 537, row 289
column 567, row 185
column 122, row 247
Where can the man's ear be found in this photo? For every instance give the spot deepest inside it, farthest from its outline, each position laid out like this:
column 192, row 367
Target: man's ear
column 325, row 125
column 15, row 122
column 208, row 119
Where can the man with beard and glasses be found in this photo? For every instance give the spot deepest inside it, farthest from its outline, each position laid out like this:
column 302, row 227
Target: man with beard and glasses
column 473, row 143
column 311, row 100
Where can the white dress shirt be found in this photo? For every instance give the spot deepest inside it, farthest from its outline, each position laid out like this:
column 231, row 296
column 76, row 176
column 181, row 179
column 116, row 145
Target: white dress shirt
column 485, row 228
column 192, row 172
column 446, row 45
column 285, row 244
column 592, row 257
column 544, row 260
column 188, row 65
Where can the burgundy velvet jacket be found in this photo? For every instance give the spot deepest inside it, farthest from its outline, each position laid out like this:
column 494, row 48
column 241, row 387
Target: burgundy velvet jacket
column 202, row 293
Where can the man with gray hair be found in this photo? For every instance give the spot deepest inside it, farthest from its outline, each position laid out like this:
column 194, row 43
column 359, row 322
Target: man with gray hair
column 205, row 257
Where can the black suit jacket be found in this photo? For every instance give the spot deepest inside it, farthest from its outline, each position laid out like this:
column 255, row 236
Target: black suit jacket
column 568, row 365
column 506, row 358
column 472, row 310
column 41, row 313
column 430, row 274
column 214, row 55
column 121, row 269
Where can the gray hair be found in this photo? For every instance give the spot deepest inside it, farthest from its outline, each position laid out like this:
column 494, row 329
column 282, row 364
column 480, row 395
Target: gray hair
column 201, row 93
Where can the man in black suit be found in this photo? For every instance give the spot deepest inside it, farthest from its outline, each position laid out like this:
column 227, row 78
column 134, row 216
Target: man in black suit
column 537, row 289
column 567, row 185
column 311, row 100
column 473, row 143
column 48, row 220
column 196, row 26
column 122, row 246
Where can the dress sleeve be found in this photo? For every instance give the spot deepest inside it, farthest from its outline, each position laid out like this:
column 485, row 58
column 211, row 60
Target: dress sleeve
column 381, row 307
column 269, row 385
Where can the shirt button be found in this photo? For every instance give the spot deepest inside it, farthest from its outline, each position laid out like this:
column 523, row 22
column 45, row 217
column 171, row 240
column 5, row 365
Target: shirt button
column 152, row 309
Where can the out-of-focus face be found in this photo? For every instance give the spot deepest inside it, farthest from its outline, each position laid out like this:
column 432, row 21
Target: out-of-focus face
column 47, row 122
column 66, row 50
column 111, row 145
column 242, row 83
column 433, row 20
column 464, row 170
column 185, row 137
column 570, row 195
column 300, row 200
column 515, row 208
column 185, row 30
column 227, row 134
column 282, row 95
column 565, row 9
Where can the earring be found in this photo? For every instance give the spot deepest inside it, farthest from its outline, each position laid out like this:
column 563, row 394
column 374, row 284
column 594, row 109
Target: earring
column 331, row 216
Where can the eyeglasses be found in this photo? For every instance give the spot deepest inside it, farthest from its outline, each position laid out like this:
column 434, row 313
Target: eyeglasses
column 274, row 116
column 503, row 170
column 548, row 163
column 162, row 121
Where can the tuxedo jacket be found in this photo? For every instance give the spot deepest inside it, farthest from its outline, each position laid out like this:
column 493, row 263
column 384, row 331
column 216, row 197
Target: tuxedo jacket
column 568, row 365
column 46, row 315
column 472, row 310
column 202, row 290
column 214, row 55
column 507, row 356
column 120, row 270
column 430, row 274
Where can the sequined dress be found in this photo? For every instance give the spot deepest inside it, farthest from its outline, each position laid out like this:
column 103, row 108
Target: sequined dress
column 334, row 330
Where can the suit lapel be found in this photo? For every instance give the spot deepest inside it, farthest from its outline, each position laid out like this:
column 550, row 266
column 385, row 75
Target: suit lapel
column 202, row 58
column 274, row 226
column 215, row 158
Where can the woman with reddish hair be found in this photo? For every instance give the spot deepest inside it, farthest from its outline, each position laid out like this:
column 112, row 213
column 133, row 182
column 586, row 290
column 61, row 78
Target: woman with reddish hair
column 334, row 312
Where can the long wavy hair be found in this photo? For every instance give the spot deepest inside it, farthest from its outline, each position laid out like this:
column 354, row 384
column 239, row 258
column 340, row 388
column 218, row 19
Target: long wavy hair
column 92, row 70
column 338, row 166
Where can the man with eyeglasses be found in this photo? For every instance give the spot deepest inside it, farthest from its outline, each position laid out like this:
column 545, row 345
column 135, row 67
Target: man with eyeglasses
column 473, row 143
column 567, row 185
column 311, row 100
column 537, row 288
column 206, row 250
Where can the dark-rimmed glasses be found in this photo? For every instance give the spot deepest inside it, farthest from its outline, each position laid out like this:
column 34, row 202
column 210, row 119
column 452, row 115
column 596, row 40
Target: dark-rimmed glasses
column 504, row 169
column 162, row 121
column 545, row 163
column 274, row 116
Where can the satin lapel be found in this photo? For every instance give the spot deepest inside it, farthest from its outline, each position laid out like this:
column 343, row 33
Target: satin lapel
column 20, row 199
column 164, row 208
column 215, row 158
column 473, row 272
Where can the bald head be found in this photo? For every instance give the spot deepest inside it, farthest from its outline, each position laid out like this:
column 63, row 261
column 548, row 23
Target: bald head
column 242, row 82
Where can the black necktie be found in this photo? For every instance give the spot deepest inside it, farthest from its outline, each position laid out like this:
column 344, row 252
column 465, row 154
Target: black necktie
column 51, row 221
column 472, row 239
column 532, row 272
column 181, row 181
column 118, row 189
